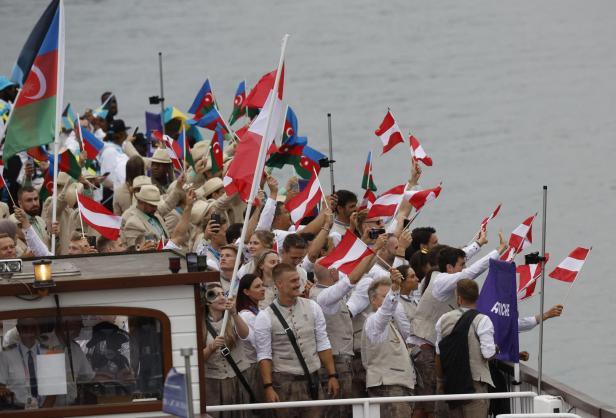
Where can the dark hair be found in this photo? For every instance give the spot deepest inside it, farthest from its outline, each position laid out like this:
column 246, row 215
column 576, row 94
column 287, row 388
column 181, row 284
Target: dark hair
column 294, row 241
column 279, row 206
column 25, row 189
column 234, row 231
column 307, row 236
column 435, row 253
column 345, row 197
column 105, row 96
column 404, row 270
column 449, row 256
column 468, row 290
column 243, row 301
column 420, row 236
column 281, row 269
column 135, row 167
column 419, row 262
column 102, row 244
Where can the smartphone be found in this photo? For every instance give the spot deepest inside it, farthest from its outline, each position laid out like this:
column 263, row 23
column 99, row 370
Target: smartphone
column 135, row 131
column 91, row 241
column 191, row 262
column 375, row 232
column 216, row 218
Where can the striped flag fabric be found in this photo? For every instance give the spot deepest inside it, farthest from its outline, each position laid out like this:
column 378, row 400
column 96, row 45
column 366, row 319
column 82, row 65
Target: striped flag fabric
column 69, row 117
column 418, row 198
column 528, row 275
column 40, row 68
column 484, row 223
column 521, row 237
column 389, row 132
column 570, row 267
column 367, row 181
column 99, row 217
column 208, row 121
column 347, row 254
column 216, row 150
column 256, row 99
column 387, row 202
column 418, row 152
column 2, row 182
column 367, row 201
column 91, row 144
column 204, row 101
column 239, row 103
column 305, row 201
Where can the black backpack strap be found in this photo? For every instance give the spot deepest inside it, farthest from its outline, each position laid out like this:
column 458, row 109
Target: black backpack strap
column 291, row 336
column 226, row 353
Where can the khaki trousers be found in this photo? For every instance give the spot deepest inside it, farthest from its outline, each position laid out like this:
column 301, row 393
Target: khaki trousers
column 291, row 387
column 473, row 409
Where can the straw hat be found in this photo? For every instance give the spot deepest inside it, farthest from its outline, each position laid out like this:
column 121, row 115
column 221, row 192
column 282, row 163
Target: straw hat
column 199, row 150
column 141, row 181
column 71, row 190
column 212, row 185
column 87, row 174
column 148, row 194
column 199, row 209
column 63, row 179
column 161, row 156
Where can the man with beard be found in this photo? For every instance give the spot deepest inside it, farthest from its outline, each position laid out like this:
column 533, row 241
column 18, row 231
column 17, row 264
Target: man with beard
column 28, row 200
column 144, row 222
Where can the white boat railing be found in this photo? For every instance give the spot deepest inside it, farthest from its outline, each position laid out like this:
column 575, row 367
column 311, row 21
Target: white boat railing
column 369, row 407
column 542, row 415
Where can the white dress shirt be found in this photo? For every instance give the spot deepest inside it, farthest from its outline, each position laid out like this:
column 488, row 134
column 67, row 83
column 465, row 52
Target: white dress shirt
column 376, row 327
column 113, row 161
column 485, row 332
column 527, row 323
column 444, row 284
column 14, row 373
column 249, row 344
column 33, row 241
column 329, row 298
column 263, row 332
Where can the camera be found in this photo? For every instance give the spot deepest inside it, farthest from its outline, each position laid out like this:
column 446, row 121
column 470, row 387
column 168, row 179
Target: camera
column 533, row 258
column 375, row 232
column 211, row 295
column 154, row 100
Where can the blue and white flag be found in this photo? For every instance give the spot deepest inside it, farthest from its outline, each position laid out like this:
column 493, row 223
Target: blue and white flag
column 174, row 394
column 498, row 300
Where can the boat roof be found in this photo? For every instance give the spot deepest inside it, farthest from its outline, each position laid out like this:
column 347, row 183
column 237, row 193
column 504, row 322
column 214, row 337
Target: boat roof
column 106, row 271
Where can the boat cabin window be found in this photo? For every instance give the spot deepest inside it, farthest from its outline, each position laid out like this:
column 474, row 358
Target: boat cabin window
column 78, row 360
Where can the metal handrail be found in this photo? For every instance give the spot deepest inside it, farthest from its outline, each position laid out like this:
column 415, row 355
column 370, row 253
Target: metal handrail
column 367, row 401
column 540, row 415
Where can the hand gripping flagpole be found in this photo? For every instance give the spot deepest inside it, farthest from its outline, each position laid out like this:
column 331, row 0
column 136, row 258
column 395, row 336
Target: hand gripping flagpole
column 256, row 180
column 56, row 142
column 542, row 300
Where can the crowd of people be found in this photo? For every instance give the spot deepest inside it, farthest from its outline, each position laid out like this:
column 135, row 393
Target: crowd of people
column 297, row 330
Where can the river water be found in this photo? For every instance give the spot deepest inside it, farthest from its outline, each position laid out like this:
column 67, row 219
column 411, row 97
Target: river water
column 505, row 97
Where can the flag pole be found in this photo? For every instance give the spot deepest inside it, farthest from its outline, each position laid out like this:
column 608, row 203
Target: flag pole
column 7, row 189
column 162, row 93
column 83, row 231
column 185, row 140
column 256, row 180
column 331, row 152
column 56, row 142
column 576, row 276
column 542, row 299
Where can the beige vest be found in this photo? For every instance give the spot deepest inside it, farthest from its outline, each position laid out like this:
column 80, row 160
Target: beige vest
column 122, row 199
column 389, row 362
column 339, row 326
column 480, row 369
column 216, row 367
column 271, row 293
column 301, row 320
column 358, row 327
column 409, row 307
column 429, row 311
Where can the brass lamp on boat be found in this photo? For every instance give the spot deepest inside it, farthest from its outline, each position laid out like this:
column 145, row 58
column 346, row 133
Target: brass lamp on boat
column 42, row 274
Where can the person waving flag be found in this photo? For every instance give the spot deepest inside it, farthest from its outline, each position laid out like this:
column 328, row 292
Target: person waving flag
column 40, row 68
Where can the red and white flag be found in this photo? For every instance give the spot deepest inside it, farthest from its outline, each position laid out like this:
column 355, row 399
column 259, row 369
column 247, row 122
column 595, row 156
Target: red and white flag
column 240, row 174
column 2, row 182
column 418, row 198
column 173, row 148
column 484, row 223
column 521, row 237
column 569, row 268
column 99, row 217
column 387, row 203
column 389, row 132
column 367, row 201
column 418, row 152
column 528, row 275
column 305, row 201
column 347, row 254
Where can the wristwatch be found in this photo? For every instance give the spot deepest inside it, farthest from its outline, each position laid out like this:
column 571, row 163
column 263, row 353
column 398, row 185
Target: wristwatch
column 335, row 375
column 267, row 385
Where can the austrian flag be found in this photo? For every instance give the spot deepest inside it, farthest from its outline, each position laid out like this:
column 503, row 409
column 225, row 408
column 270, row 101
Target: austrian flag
column 387, row 203
column 569, row 268
column 420, row 197
column 305, row 201
column 347, row 254
column 418, row 152
column 520, row 238
column 99, row 217
column 389, row 132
